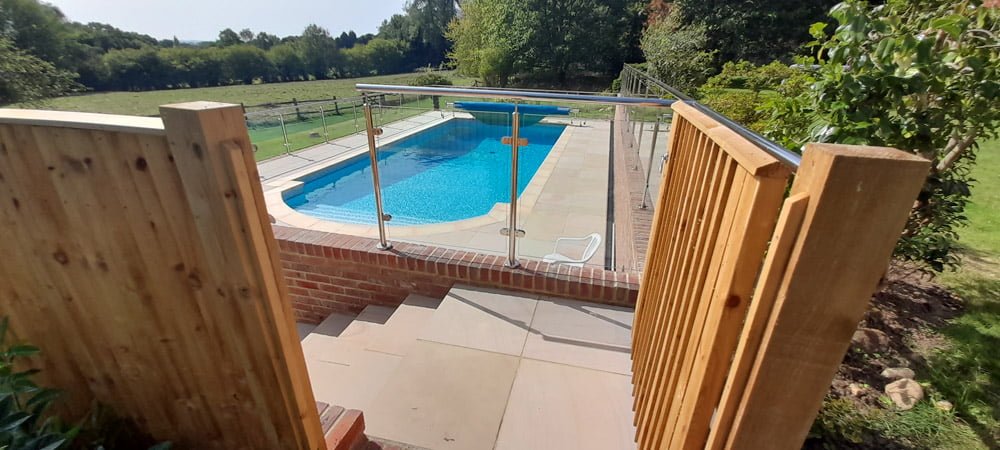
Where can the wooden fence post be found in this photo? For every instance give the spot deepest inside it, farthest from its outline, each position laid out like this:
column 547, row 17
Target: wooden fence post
column 211, row 148
column 858, row 201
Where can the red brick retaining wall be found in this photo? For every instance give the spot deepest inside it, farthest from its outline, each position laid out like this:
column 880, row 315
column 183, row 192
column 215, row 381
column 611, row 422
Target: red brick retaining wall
column 329, row 272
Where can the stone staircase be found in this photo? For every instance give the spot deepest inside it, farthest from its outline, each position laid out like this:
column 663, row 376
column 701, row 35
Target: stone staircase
column 480, row 369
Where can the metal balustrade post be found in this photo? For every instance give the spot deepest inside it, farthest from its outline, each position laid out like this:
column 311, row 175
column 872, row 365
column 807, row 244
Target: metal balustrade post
column 512, row 230
column 354, row 109
column 383, row 244
column 638, row 145
column 322, row 115
column 649, row 166
column 284, row 133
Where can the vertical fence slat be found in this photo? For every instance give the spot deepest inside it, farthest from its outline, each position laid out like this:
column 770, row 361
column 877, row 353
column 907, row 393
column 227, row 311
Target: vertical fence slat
column 786, row 231
column 680, row 237
column 650, row 300
column 682, row 261
column 718, row 191
column 719, row 333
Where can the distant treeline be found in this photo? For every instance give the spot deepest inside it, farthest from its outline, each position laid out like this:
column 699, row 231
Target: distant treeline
column 36, row 38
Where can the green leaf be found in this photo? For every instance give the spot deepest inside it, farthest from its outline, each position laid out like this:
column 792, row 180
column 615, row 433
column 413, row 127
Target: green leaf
column 23, row 350
column 162, row 446
column 54, row 445
column 13, row 421
column 43, row 398
column 818, row 30
column 950, row 24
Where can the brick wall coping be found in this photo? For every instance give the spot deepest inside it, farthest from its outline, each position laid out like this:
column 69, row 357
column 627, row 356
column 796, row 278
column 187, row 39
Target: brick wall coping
column 316, row 251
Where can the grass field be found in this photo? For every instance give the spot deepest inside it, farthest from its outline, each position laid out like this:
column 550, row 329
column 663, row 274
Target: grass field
column 967, row 369
column 147, row 103
column 308, row 129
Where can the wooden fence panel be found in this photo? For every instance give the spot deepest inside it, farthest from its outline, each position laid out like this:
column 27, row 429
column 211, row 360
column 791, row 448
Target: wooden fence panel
column 858, row 201
column 741, row 324
column 713, row 221
column 139, row 258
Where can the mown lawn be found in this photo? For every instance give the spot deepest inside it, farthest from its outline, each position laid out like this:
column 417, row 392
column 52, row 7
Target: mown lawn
column 307, row 129
column 967, row 369
column 147, row 103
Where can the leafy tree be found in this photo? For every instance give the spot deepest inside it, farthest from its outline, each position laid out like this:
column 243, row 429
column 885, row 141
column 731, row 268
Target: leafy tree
column 245, row 63
column 488, row 39
column 918, row 75
column 752, row 30
column 365, row 38
column 287, row 62
column 246, row 35
column 136, row 69
column 106, row 37
column 678, row 54
column 347, row 39
column 357, row 61
column 194, row 67
column 265, row 41
column 497, row 39
column 319, row 50
column 423, row 28
column 387, row 56
column 228, row 37
column 742, row 90
column 25, row 77
column 43, row 31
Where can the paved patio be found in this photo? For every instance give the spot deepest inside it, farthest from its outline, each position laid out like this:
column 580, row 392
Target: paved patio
column 481, row 369
column 567, row 197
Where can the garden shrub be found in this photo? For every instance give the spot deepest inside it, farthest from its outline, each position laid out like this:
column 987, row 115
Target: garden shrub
column 921, row 76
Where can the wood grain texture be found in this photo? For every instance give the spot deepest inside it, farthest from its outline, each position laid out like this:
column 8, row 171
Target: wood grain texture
column 143, row 265
column 714, row 218
column 859, row 198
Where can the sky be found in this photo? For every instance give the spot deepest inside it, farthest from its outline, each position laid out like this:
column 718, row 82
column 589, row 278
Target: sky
column 201, row 20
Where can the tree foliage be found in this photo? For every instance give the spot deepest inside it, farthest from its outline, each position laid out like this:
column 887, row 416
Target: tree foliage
column 918, row 75
column 422, row 27
column 752, row 30
column 743, row 90
column 43, row 53
column 550, row 39
column 678, row 54
column 25, row 77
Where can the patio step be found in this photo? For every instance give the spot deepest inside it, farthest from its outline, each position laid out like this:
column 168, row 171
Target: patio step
column 343, row 429
column 481, row 368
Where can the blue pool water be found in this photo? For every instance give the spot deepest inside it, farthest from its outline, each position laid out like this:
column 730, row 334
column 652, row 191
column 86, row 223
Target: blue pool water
column 453, row 171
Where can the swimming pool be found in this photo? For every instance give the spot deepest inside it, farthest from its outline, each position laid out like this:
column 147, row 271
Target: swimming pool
column 453, row 171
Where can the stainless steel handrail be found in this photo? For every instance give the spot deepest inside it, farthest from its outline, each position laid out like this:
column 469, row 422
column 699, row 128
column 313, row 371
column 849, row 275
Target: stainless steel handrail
column 782, row 154
column 666, row 87
column 517, row 95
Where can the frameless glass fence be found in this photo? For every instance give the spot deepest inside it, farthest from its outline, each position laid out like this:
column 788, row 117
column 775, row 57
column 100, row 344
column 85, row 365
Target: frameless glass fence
column 445, row 177
column 564, row 208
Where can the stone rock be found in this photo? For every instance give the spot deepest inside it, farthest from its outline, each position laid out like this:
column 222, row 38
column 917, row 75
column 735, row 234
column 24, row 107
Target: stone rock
column 870, row 340
column 944, row 405
column 855, row 389
column 904, row 393
column 895, row 373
